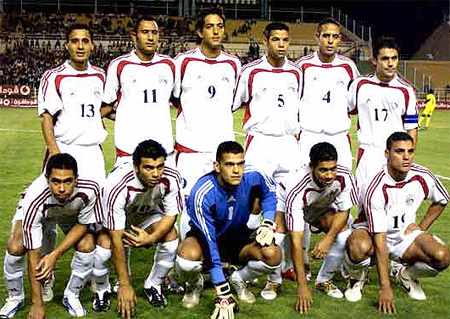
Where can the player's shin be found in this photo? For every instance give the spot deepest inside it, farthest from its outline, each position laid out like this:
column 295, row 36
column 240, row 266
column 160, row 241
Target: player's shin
column 13, row 273
column 189, row 273
column 164, row 260
column 82, row 264
column 100, row 272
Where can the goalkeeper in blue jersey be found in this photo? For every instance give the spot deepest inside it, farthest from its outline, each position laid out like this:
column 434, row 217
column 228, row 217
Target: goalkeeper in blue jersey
column 220, row 208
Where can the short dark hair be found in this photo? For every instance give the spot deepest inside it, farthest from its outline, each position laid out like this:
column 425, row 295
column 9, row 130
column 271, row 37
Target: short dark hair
column 78, row 26
column 322, row 152
column 328, row 20
column 396, row 137
column 382, row 43
column 206, row 12
column 274, row 26
column 228, row 147
column 143, row 18
column 61, row 161
column 148, row 149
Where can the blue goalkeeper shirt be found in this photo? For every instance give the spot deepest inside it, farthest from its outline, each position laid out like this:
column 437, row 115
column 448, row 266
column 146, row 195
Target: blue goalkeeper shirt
column 218, row 212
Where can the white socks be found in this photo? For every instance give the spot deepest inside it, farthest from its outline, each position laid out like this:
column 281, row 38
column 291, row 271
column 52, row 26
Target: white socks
column 82, row 264
column 13, row 273
column 163, row 261
column 100, row 270
column 256, row 268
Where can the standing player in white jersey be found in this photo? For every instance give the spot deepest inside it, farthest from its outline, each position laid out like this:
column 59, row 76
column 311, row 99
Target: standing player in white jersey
column 69, row 102
column 385, row 103
column 386, row 226
column 56, row 197
column 323, row 105
column 205, row 80
column 269, row 90
column 321, row 196
column 138, row 88
column 142, row 200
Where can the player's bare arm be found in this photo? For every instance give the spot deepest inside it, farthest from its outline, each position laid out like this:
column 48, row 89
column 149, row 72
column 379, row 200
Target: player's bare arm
column 37, row 310
column 414, row 135
column 433, row 212
column 108, row 110
column 47, row 263
column 385, row 295
column 143, row 238
column 126, row 297
column 323, row 246
column 304, row 300
column 48, row 133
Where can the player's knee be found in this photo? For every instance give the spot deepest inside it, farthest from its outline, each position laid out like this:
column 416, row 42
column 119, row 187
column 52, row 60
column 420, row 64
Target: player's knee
column 189, row 249
column 358, row 249
column 104, row 240
column 441, row 258
column 86, row 244
column 272, row 255
column 15, row 247
column 171, row 235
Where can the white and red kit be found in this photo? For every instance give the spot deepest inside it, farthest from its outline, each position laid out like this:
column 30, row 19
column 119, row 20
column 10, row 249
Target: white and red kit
column 142, row 90
column 38, row 207
column 387, row 206
column 303, row 201
column 323, row 105
column 127, row 202
column 270, row 97
column 382, row 108
column 204, row 87
column 74, row 100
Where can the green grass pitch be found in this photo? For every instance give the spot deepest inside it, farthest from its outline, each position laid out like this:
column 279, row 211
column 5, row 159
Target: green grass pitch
column 22, row 149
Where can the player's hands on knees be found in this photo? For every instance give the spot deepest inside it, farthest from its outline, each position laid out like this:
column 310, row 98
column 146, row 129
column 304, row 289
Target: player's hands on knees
column 386, row 301
column 304, row 300
column 224, row 304
column 265, row 232
column 411, row 227
column 45, row 266
column 140, row 238
column 126, row 301
column 36, row 312
column 322, row 247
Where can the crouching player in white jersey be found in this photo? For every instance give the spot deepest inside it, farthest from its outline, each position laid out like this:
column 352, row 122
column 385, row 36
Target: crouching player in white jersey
column 141, row 201
column 387, row 225
column 56, row 197
column 321, row 196
column 138, row 88
column 219, row 206
column 385, row 103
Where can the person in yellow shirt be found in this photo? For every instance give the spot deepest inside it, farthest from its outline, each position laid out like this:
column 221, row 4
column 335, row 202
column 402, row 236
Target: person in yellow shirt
column 430, row 104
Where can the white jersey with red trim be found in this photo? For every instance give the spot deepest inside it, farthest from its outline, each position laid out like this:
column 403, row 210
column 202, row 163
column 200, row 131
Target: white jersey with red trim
column 302, row 200
column 205, row 88
column 323, row 104
column 142, row 90
column 383, row 108
column 74, row 99
column 389, row 207
column 38, row 206
column 127, row 202
column 270, row 97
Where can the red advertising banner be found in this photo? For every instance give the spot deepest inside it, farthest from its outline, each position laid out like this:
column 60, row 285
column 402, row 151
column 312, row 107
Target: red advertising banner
column 16, row 90
column 18, row 102
column 439, row 105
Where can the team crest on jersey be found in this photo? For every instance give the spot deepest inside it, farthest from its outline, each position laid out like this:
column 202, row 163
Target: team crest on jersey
column 162, row 79
column 224, row 78
column 97, row 94
column 409, row 199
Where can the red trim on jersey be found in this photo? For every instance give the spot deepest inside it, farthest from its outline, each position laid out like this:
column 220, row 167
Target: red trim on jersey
column 418, row 178
column 47, row 76
column 120, row 153
column 359, row 156
column 207, row 61
column 112, row 197
column 30, row 215
column 123, row 64
column 183, row 149
column 98, row 206
column 254, row 72
column 176, row 175
column 248, row 140
column 437, row 182
column 60, row 77
column 385, row 85
column 290, row 199
column 368, row 199
column 247, row 114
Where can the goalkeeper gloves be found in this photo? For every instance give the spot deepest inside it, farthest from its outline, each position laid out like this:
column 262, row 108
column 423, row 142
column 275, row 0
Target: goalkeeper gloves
column 224, row 304
column 265, row 232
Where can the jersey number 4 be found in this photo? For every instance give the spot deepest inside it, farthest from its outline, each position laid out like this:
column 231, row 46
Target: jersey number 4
column 327, row 97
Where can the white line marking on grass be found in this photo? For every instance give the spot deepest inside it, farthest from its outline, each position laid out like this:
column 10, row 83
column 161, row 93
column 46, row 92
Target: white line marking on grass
column 18, row 130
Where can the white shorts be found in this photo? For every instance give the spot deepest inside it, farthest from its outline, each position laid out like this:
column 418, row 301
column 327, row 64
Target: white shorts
column 274, row 156
column 90, row 161
column 369, row 162
column 170, row 160
column 398, row 245
column 341, row 141
column 192, row 166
